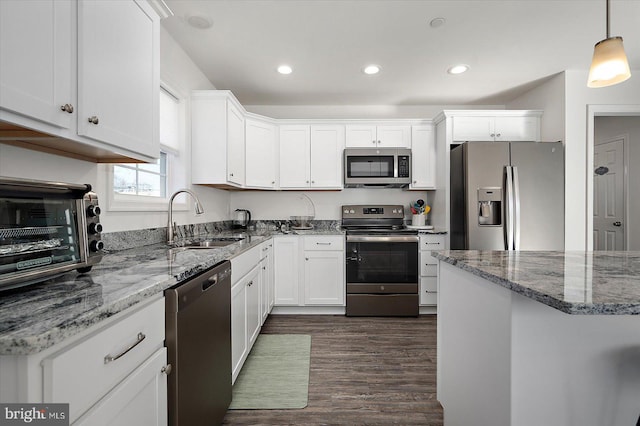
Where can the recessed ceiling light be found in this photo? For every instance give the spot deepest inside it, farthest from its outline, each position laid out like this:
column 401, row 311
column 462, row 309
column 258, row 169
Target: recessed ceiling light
column 285, row 69
column 200, row 22
column 437, row 22
column 458, row 69
column 371, row 69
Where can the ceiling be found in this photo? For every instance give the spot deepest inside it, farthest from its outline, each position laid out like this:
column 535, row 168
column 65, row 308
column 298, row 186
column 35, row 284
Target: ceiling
column 510, row 46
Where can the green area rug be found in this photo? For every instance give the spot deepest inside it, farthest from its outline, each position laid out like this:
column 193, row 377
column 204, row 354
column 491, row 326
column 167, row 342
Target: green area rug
column 275, row 374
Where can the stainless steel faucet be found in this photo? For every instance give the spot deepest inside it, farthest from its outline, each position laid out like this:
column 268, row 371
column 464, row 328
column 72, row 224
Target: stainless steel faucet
column 170, row 224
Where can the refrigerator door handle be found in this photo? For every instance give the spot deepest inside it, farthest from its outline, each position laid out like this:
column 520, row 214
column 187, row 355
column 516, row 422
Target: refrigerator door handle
column 508, row 200
column 516, row 209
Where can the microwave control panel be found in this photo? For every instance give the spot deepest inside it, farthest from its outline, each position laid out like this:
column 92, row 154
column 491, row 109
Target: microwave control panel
column 403, row 166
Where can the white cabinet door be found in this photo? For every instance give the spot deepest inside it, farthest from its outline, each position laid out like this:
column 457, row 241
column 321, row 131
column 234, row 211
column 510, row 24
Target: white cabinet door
column 324, row 278
column 327, row 146
column 260, row 148
column 473, row 129
column 254, row 316
column 266, row 280
column 140, row 399
column 235, row 145
column 514, row 129
column 286, row 271
column 239, row 338
column 119, row 74
column 423, row 157
column 36, row 62
column 394, row 136
column 295, row 155
column 360, row 136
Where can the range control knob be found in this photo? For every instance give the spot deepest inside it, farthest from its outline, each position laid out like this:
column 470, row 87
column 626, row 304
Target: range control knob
column 93, row 211
column 96, row 245
column 95, row 228
column 352, row 211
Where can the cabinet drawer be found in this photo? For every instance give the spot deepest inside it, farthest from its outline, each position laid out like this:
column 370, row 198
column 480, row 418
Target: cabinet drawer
column 429, row 269
column 429, row 284
column 82, row 374
column 428, row 298
column 244, row 262
column 432, row 242
column 319, row 242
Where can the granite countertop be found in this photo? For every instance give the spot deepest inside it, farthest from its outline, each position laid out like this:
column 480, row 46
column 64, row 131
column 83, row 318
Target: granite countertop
column 592, row 283
column 36, row 317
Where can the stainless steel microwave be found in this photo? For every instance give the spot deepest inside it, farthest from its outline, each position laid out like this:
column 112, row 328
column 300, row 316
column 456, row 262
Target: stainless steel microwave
column 377, row 167
column 46, row 228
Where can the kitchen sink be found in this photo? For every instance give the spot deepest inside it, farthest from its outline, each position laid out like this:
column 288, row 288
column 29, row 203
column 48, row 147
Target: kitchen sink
column 208, row 243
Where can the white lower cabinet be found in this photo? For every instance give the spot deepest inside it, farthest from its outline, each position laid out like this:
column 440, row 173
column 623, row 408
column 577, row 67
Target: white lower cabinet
column 266, row 279
column 140, row 399
column 111, row 373
column 247, row 302
column 309, row 270
column 429, row 268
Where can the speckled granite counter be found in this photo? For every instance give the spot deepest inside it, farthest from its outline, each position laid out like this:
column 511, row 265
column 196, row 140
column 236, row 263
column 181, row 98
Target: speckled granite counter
column 37, row 317
column 602, row 283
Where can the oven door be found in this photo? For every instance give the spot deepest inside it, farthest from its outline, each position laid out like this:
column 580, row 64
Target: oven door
column 372, row 261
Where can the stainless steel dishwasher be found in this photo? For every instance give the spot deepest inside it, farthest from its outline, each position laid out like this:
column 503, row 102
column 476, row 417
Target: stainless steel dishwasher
column 198, row 340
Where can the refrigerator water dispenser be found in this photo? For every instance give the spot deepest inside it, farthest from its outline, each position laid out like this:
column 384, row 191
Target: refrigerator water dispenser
column 490, row 206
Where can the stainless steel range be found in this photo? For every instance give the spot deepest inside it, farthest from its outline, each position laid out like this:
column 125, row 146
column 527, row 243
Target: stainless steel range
column 381, row 261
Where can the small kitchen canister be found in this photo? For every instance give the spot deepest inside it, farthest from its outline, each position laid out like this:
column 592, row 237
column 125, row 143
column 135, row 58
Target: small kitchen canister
column 418, row 220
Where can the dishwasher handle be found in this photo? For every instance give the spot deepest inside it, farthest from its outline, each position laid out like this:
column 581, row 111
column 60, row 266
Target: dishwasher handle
column 211, row 281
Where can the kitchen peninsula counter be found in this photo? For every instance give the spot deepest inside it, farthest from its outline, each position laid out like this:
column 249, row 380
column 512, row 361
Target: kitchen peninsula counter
column 554, row 336
column 37, row 317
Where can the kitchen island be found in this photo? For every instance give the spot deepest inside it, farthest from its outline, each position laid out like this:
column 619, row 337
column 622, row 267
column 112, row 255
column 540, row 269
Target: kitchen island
column 539, row 338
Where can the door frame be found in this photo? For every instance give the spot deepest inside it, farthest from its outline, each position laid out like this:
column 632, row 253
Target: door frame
column 592, row 112
column 625, row 183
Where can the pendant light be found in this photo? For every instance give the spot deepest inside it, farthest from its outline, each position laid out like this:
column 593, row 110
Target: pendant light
column 609, row 65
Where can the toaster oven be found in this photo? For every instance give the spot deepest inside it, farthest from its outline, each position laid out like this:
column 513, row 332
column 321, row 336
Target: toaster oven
column 46, row 228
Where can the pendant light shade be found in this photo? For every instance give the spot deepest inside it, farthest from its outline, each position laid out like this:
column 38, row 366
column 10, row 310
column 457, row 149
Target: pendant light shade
column 609, row 65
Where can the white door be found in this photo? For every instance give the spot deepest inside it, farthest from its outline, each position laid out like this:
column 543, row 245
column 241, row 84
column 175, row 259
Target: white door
column 327, row 145
column 285, row 270
column 235, row 145
column 295, row 156
column 609, row 196
column 260, row 147
column 119, row 74
column 423, row 157
column 324, row 277
column 36, row 59
column 238, row 326
column 394, row 136
column 360, row 136
column 254, row 316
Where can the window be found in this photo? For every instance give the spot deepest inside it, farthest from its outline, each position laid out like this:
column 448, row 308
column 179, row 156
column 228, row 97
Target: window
column 147, row 186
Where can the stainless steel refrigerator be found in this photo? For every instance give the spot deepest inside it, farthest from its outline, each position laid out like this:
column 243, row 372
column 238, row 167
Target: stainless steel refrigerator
column 507, row 196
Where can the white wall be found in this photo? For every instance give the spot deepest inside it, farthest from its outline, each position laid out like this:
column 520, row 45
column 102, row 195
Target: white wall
column 607, row 128
column 266, row 205
column 178, row 71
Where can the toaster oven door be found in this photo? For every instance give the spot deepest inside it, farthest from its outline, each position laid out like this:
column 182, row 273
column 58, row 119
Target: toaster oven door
column 39, row 237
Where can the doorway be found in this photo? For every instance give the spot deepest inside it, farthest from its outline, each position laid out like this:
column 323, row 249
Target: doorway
column 604, row 123
column 610, row 192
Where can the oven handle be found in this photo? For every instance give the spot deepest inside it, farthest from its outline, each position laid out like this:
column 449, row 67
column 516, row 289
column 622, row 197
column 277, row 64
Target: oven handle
column 382, row 239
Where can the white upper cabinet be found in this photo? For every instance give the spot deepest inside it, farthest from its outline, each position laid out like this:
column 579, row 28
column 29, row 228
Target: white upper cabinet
column 423, row 157
column 295, row 156
column 260, row 149
column 36, row 64
column 119, row 74
column 372, row 136
column 327, row 145
column 98, row 101
column 496, row 128
column 311, row 156
column 217, row 139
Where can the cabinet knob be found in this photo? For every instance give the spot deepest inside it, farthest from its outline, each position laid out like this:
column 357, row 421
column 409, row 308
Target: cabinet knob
column 250, row 283
column 67, row 108
column 493, row 135
column 307, row 181
column 273, row 182
column 93, row 119
column 230, row 174
column 415, row 181
column 498, row 135
column 166, row 369
column 313, row 181
column 373, row 142
column 306, row 258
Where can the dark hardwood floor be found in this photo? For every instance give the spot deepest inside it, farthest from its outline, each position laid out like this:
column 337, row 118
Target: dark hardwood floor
column 364, row 371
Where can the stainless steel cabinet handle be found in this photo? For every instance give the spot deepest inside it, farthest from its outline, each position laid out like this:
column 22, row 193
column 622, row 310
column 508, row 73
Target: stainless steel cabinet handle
column 323, row 244
column 617, row 223
column 306, row 258
column 67, row 108
column 109, row 358
column 166, row 369
column 250, row 283
column 93, row 119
